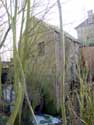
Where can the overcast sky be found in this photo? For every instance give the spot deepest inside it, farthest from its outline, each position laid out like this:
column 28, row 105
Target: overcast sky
column 73, row 13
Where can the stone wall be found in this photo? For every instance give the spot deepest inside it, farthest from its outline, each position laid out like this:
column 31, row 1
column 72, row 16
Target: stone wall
column 45, row 65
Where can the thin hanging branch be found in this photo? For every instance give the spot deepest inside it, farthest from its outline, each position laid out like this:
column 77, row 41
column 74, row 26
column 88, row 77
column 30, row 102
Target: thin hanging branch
column 4, row 38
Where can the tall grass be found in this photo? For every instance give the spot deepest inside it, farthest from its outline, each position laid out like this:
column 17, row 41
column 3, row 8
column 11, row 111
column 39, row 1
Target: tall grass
column 86, row 96
column 80, row 103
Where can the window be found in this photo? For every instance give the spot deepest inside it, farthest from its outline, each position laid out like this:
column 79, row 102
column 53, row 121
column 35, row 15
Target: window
column 41, row 48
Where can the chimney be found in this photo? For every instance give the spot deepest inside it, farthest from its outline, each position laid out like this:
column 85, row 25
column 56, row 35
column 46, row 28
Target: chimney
column 90, row 16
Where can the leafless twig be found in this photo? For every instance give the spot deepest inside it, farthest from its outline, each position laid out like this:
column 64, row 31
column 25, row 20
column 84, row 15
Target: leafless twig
column 5, row 36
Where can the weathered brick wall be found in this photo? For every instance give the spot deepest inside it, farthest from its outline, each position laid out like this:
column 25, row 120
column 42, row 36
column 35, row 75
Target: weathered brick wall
column 47, row 66
column 88, row 57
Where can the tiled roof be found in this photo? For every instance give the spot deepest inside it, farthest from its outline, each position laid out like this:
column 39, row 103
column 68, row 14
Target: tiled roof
column 55, row 28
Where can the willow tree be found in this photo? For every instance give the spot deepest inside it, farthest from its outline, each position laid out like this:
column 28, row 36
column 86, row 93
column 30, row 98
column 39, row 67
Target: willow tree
column 19, row 64
column 23, row 9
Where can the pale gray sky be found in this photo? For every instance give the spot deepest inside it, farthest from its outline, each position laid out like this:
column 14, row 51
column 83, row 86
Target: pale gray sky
column 73, row 12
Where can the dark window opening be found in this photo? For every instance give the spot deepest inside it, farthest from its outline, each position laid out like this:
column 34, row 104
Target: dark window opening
column 41, row 48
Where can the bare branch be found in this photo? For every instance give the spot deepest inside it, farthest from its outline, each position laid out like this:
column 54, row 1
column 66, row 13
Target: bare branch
column 4, row 38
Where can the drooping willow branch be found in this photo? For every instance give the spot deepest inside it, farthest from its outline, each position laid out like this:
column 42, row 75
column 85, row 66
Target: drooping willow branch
column 5, row 36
